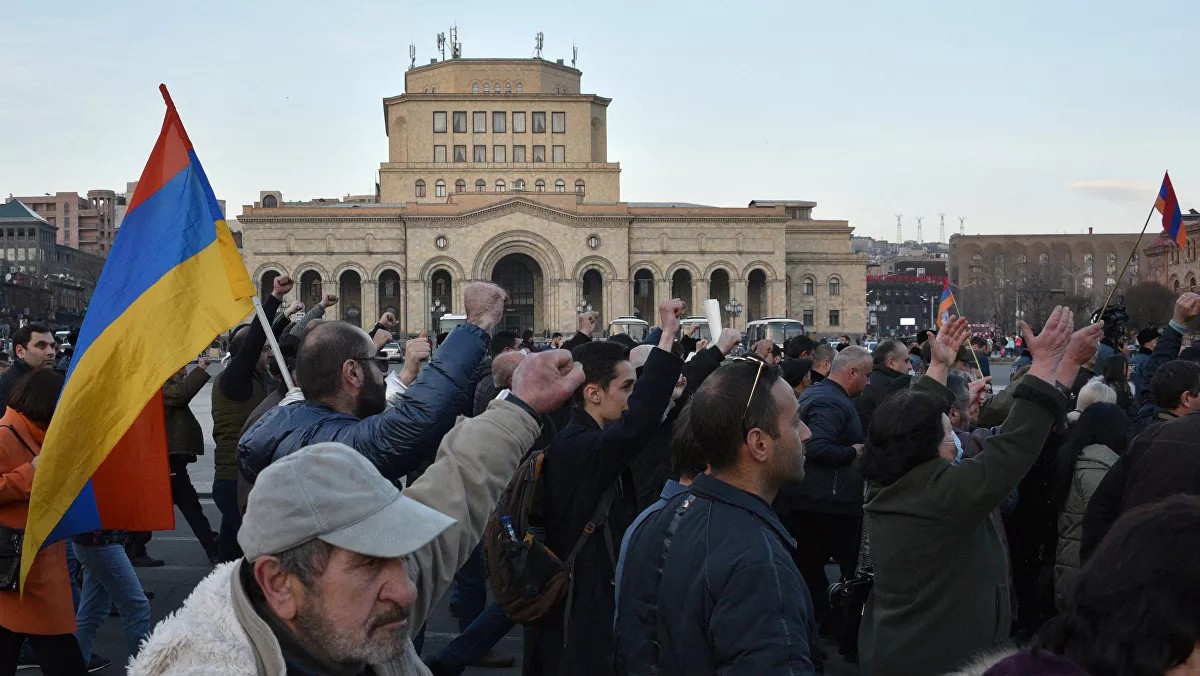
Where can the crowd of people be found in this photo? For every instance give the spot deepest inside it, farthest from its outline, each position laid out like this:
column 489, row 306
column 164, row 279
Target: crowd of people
column 647, row 507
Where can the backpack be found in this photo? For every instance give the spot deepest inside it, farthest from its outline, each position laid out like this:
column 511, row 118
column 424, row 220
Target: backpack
column 528, row 580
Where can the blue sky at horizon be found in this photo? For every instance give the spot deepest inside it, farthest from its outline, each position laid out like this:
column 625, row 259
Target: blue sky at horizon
column 1024, row 116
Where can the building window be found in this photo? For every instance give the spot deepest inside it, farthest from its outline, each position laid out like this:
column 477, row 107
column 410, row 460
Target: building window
column 558, row 123
column 439, row 153
column 835, row 317
column 560, row 186
column 420, row 188
column 500, row 185
column 835, row 287
column 507, row 87
column 808, row 318
column 539, row 153
column 479, row 122
column 481, row 153
column 460, row 153
column 518, row 123
column 808, row 286
column 520, row 87
column 460, row 122
column 498, row 122
column 496, row 88
column 559, row 153
column 439, row 122
column 539, row 185
column 579, row 186
column 499, row 154
column 460, row 186
column 518, row 153
column 487, row 89
column 441, row 242
column 519, row 185
column 539, row 123
column 593, row 241
column 480, row 186
column 474, row 87
column 439, row 188
column 269, row 202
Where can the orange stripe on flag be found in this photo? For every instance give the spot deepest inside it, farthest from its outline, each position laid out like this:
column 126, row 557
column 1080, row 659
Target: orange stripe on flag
column 133, row 484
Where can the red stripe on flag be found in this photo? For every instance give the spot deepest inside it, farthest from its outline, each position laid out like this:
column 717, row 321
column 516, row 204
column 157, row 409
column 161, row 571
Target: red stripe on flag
column 133, row 484
column 169, row 157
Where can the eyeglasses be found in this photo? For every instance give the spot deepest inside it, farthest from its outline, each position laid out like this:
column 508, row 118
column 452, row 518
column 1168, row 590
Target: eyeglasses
column 380, row 364
column 757, row 374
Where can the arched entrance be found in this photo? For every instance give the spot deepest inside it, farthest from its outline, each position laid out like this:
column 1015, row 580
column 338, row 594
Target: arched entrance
column 521, row 277
column 350, row 297
column 718, row 288
column 311, row 291
column 756, row 296
column 643, row 294
column 266, row 284
column 389, row 292
column 681, row 287
column 593, row 292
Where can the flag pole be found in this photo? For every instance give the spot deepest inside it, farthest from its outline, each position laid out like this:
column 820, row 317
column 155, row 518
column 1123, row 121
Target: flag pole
column 266, row 323
column 1121, row 276
column 978, row 366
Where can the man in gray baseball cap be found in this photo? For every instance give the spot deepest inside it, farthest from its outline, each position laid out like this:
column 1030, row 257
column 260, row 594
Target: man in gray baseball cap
column 340, row 567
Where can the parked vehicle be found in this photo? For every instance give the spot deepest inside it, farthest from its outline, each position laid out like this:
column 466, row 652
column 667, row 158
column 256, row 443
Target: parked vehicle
column 392, row 352
column 778, row 329
column 686, row 324
column 631, row 326
column 449, row 322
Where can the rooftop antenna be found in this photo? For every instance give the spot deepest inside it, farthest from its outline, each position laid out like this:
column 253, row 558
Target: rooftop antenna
column 919, row 236
column 962, row 228
column 942, row 227
column 537, row 48
column 441, row 42
column 899, row 236
column 412, row 55
column 455, row 45
column 574, row 54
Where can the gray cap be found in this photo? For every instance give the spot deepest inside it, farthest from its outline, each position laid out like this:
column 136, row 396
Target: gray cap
column 331, row 492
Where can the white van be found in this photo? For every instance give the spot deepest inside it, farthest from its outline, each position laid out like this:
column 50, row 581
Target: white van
column 778, row 329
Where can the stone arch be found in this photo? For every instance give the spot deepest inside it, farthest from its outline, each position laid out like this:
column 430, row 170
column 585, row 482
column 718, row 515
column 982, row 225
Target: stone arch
column 387, row 265
column 683, row 265
column 269, row 267
column 442, row 263
column 600, row 263
column 766, row 268
column 532, row 244
column 314, row 266
column 718, row 265
column 658, row 274
column 350, row 265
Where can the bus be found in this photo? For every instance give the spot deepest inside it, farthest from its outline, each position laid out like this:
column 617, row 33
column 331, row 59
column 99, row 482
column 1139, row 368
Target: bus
column 778, row 329
column 686, row 324
column 629, row 325
column 450, row 322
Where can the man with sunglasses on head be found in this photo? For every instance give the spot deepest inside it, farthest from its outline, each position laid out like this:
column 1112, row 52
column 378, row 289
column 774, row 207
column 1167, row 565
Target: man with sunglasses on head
column 708, row 583
column 587, row 475
column 345, row 392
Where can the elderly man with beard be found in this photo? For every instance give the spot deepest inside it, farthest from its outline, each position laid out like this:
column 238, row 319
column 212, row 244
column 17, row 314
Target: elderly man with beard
column 339, row 567
column 345, row 392
column 708, row 583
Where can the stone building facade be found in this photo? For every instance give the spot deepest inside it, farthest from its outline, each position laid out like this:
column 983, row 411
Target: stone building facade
column 498, row 170
column 1166, row 263
column 86, row 223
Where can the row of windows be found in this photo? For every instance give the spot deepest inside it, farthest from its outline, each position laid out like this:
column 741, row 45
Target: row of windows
column 439, row 186
column 479, row 122
column 809, row 285
column 495, row 88
column 835, row 318
column 500, row 154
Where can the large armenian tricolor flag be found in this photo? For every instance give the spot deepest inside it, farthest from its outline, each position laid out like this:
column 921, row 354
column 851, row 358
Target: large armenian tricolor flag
column 173, row 281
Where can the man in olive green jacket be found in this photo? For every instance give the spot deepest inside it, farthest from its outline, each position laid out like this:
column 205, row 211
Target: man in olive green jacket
column 941, row 573
column 185, row 441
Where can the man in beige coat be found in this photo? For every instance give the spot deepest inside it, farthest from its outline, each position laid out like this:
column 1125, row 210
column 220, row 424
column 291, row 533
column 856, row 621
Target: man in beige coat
column 339, row 567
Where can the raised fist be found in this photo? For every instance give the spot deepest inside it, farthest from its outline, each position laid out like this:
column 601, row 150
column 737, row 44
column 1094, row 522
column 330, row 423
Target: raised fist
column 485, row 304
column 329, row 300
column 416, row 352
column 763, row 349
column 546, row 380
column 587, row 322
column 283, row 286
column 388, row 320
column 669, row 314
column 728, row 340
column 295, row 307
column 202, row 363
column 1187, row 307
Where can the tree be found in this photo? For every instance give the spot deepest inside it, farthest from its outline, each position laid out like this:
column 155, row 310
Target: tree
column 1148, row 304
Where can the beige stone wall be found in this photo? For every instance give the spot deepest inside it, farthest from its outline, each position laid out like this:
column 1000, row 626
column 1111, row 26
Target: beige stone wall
column 456, row 76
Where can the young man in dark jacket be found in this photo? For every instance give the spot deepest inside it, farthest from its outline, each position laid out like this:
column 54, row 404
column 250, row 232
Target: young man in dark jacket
column 612, row 423
column 708, row 582
column 824, row 512
column 888, row 374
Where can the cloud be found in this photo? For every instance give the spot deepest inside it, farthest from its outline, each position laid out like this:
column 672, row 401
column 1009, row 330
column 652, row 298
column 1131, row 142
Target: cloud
column 1121, row 192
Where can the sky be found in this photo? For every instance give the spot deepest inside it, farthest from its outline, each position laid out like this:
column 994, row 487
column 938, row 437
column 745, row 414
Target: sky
column 1022, row 116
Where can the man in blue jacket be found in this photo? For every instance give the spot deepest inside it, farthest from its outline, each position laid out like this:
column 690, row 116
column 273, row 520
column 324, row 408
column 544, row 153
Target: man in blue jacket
column 824, row 512
column 708, row 584
column 344, row 391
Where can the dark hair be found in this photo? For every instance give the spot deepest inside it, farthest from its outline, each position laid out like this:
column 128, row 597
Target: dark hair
column 720, row 416
column 905, row 432
column 527, row 334
column 1135, row 606
column 556, row 334
column 36, row 394
column 599, row 359
column 1112, row 373
column 237, row 337
column 978, row 341
column 322, row 353
column 73, row 336
column 794, row 370
column 686, row 453
column 1190, row 353
column 23, row 335
column 1173, row 379
column 622, row 339
column 886, row 349
column 503, row 340
column 798, row 345
column 1100, row 423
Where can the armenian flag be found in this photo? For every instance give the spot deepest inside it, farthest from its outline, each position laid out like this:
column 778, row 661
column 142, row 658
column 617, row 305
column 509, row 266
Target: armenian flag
column 1168, row 205
column 945, row 304
column 173, row 281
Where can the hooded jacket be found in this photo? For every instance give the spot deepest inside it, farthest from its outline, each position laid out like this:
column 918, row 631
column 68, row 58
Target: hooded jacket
column 396, row 441
column 1090, row 467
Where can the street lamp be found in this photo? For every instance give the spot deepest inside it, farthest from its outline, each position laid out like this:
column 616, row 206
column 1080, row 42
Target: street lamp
column 436, row 310
column 734, row 308
column 583, row 306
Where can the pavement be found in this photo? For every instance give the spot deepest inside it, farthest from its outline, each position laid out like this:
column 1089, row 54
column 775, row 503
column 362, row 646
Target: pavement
column 187, row 564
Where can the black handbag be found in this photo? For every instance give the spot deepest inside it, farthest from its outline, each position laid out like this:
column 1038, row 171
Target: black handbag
column 11, row 540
